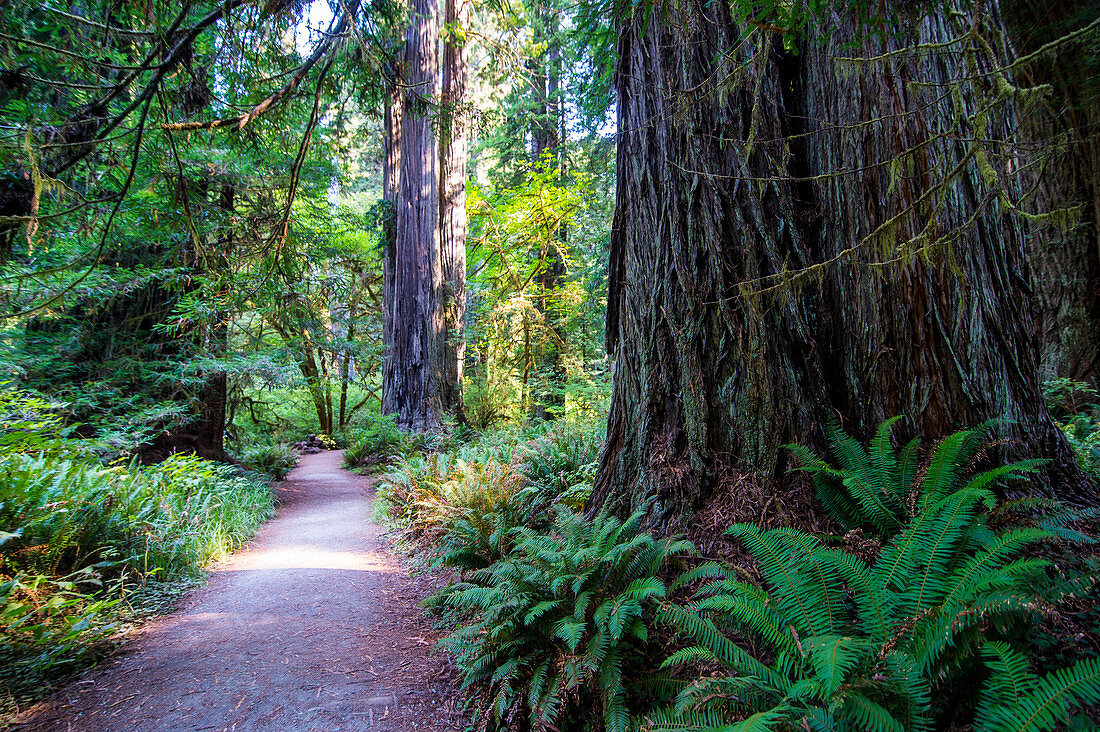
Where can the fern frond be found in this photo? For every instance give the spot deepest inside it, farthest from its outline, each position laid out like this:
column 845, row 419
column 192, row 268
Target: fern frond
column 709, row 570
column 1044, row 706
column 867, row 715
column 1009, row 680
column 834, row 658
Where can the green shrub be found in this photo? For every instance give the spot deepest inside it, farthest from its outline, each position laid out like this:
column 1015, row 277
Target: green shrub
column 562, row 461
column 878, row 488
column 382, row 441
column 272, row 460
column 78, row 538
column 49, row 627
column 1075, row 407
column 559, row 621
column 457, row 501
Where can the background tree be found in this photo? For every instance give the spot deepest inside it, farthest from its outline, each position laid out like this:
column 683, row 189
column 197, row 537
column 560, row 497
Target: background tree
column 413, row 377
column 453, row 159
column 1057, row 43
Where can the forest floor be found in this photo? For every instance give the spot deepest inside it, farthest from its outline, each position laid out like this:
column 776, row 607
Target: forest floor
column 315, row 625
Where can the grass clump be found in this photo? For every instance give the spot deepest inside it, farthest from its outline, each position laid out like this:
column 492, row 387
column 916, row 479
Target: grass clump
column 81, row 543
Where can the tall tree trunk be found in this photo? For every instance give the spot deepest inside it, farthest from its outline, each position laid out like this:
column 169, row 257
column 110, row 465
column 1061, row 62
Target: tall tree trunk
column 547, row 140
column 391, row 176
column 210, row 427
column 1065, row 260
column 453, row 146
column 412, row 383
column 730, row 177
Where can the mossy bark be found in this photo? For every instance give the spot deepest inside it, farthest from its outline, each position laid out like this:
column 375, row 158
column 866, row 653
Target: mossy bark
column 797, row 242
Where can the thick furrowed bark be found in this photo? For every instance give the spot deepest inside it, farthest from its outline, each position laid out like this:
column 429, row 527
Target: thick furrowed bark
column 452, row 205
column 1064, row 259
column 726, row 181
column 412, row 377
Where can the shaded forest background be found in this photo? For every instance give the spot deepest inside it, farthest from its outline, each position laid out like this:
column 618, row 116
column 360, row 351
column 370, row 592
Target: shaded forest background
column 815, row 285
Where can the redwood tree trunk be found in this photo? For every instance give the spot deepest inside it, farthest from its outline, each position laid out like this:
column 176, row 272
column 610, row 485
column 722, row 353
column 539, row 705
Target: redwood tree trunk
column 412, row 381
column 453, row 146
column 1065, row 260
column 730, row 177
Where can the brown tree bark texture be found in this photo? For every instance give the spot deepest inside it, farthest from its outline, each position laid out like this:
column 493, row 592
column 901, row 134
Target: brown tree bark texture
column 453, row 157
column 1065, row 261
column 718, row 133
column 413, row 373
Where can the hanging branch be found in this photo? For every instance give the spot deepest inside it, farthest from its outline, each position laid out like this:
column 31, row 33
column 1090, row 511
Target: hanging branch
column 161, row 70
column 336, row 31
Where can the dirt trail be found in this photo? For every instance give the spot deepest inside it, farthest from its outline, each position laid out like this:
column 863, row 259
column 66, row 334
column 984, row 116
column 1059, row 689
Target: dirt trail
column 314, row 626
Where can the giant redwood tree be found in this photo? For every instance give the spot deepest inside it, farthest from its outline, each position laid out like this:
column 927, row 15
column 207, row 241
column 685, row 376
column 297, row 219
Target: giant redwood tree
column 453, row 157
column 412, row 378
column 808, row 237
column 1056, row 41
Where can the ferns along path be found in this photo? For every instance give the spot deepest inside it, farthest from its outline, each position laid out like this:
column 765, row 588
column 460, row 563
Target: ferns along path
column 314, row 626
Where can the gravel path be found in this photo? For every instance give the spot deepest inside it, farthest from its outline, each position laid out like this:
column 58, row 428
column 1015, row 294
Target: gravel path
column 314, row 626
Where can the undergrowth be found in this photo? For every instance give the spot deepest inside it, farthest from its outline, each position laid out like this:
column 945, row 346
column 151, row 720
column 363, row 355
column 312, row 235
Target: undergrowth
column 918, row 618
column 84, row 547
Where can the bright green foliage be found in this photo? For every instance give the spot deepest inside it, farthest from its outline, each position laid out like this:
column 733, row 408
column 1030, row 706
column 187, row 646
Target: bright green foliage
column 76, row 538
column 273, row 460
column 1075, row 407
column 879, row 488
column 562, row 460
column 381, row 441
column 170, row 518
column 850, row 644
column 558, row 623
column 463, row 504
column 515, row 240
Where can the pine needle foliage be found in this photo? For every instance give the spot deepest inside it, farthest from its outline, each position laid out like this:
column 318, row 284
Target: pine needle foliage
column 833, row 642
column 556, row 623
column 877, row 487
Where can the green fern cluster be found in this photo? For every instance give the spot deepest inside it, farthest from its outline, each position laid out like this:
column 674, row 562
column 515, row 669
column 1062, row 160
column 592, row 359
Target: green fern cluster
column 911, row 639
column 464, row 504
column 556, row 623
column 562, row 464
column 879, row 488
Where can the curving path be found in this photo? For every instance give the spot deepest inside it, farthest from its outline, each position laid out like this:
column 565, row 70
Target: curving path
column 314, row 626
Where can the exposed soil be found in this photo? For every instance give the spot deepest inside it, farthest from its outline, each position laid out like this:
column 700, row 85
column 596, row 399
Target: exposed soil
column 314, row 626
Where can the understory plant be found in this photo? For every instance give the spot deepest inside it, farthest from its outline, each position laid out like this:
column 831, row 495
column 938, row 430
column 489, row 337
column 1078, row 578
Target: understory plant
column 81, row 542
column 273, row 460
column 382, row 441
column 554, row 628
column 463, row 503
column 921, row 632
column 1075, row 407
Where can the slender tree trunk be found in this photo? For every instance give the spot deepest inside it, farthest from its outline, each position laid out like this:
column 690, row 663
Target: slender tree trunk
column 717, row 201
column 453, row 146
column 210, row 430
column 412, row 386
column 1065, row 259
column 546, row 138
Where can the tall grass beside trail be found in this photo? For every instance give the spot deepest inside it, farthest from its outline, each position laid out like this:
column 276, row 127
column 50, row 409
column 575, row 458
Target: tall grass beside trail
column 83, row 544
